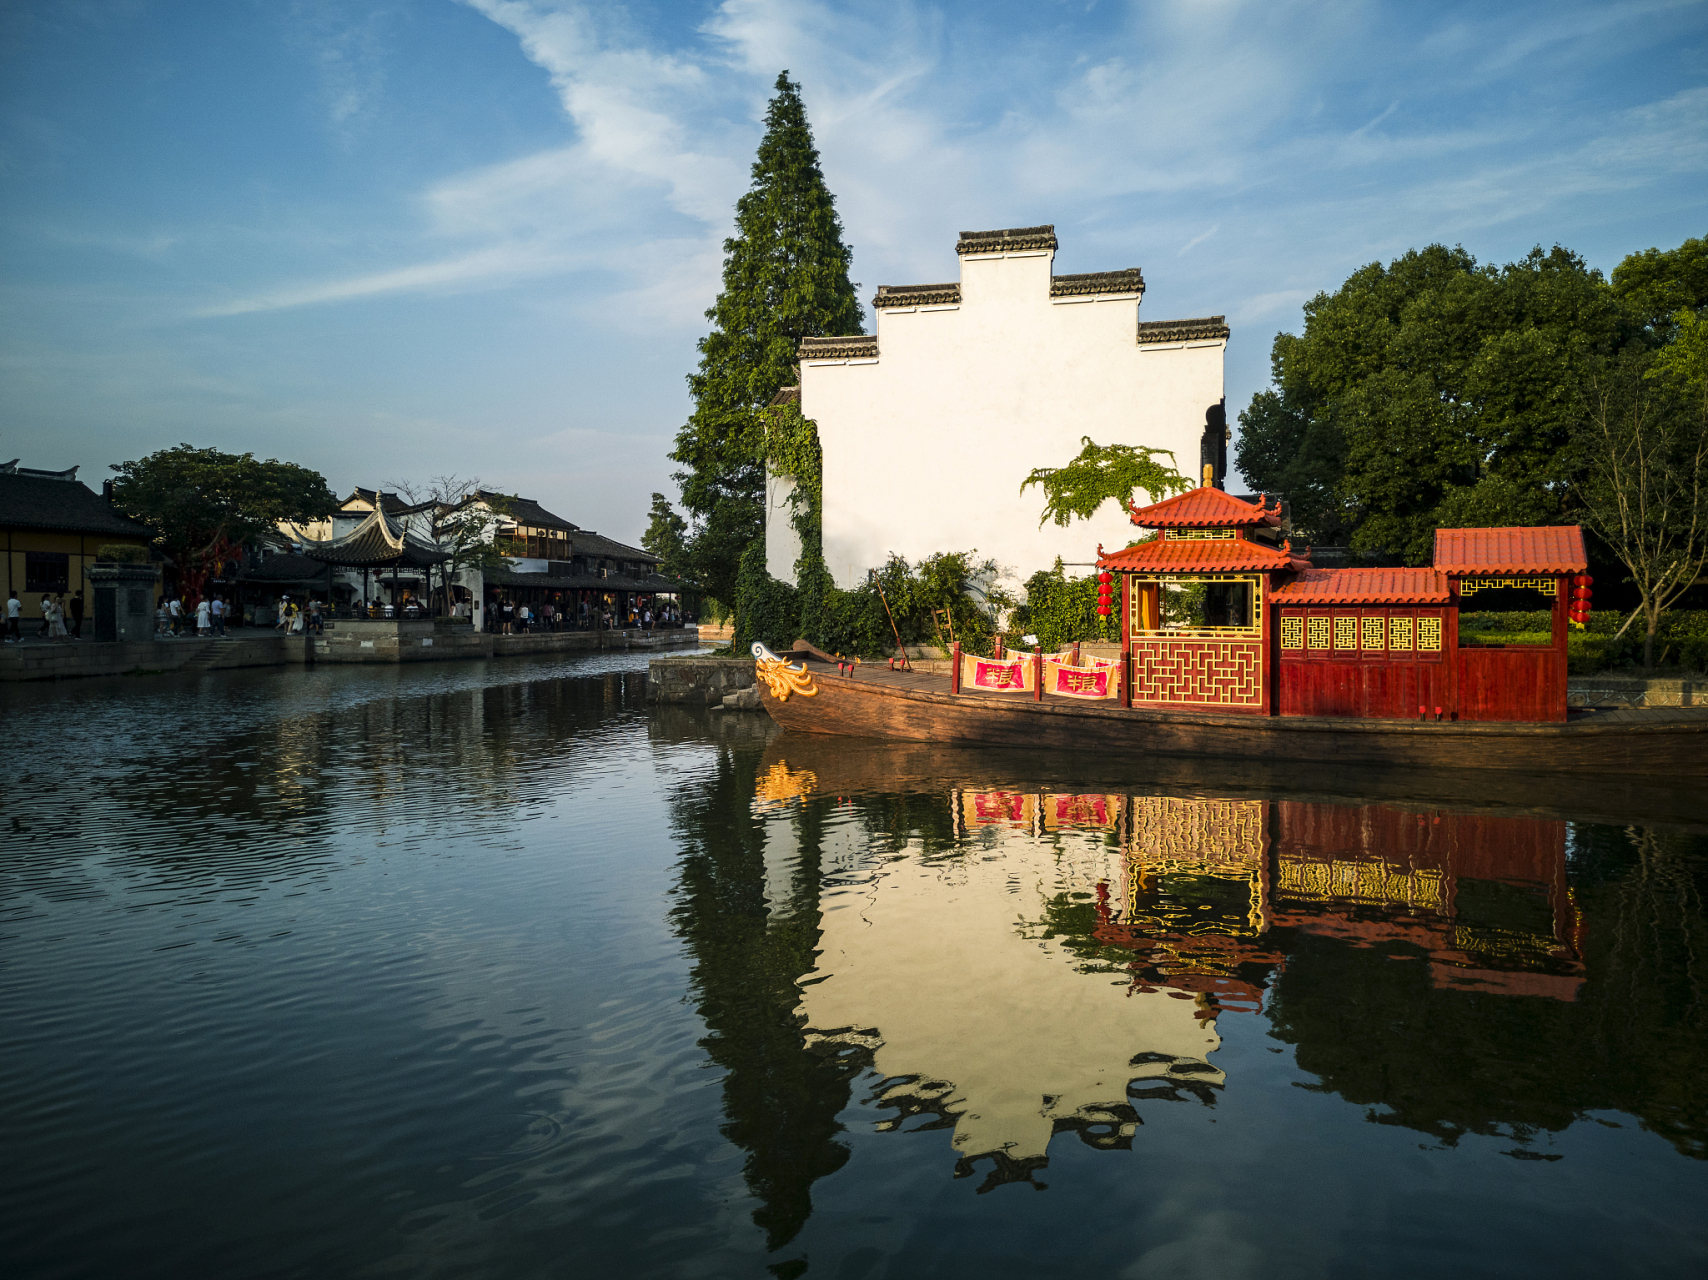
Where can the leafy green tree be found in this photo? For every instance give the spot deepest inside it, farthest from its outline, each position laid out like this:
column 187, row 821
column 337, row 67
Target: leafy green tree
column 1431, row 392
column 1099, row 473
column 1643, row 443
column 665, row 535
column 206, row 504
column 1656, row 285
column 785, row 278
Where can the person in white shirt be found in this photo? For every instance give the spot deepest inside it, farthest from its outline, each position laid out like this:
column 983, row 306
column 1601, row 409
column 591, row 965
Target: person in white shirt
column 217, row 611
column 14, row 609
column 204, row 617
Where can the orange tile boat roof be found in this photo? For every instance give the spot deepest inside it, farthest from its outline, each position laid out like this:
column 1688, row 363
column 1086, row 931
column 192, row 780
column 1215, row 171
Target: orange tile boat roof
column 1363, row 586
column 1199, row 555
column 1206, row 508
column 1550, row 549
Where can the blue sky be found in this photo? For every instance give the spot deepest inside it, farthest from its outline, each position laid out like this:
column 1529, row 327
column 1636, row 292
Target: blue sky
column 394, row 240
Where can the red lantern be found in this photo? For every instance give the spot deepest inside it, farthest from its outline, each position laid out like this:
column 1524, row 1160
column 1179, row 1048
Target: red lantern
column 1106, row 577
column 1584, row 580
column 1580, row 593
column 1103, row 611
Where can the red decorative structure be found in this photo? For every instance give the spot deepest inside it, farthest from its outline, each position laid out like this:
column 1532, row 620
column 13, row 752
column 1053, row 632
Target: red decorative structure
column 1218, row 613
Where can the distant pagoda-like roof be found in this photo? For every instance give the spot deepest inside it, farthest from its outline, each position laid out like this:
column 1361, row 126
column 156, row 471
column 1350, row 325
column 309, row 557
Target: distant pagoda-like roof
column 1206, row 508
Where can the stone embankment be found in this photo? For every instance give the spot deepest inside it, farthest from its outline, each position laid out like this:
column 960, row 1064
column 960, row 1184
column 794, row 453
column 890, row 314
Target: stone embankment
column 345, row 642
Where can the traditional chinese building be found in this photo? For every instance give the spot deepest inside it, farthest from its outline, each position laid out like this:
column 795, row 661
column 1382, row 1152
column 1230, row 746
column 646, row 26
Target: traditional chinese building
column 1218, row 614
column 929, row 425
column 53, row 524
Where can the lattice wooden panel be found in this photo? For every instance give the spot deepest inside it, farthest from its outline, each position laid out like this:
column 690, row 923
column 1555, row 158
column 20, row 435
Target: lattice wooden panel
column 1375, row 633
column 1345, row 632
column 1292, row 633
column 1429, row 635
column 1220, row 673
column 1319, row 633
column 1399, row 634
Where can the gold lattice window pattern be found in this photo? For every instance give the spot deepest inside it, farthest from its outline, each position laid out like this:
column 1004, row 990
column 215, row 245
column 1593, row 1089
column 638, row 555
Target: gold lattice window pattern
column 1375, row 633
column 1399, row 633
column 1345, row 633
column 1429, row 635
column 1319, row 633
column 1224, row 673
column 1212, row 535
column 1292, row 633
column 1470, row 586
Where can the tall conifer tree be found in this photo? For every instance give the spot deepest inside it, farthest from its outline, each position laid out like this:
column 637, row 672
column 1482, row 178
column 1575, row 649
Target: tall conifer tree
column 785, row 278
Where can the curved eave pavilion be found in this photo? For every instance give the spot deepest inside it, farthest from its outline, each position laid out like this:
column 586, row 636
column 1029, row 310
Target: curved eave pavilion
column 376, row 544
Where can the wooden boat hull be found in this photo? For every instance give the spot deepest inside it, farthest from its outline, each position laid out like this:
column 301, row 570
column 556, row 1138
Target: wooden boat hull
column 872, row 706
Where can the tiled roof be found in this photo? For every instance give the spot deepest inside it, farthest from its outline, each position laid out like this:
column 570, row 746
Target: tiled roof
column 1199, row 555
column 1130, row 280
column 1549, row 549
column 1203, row 329
column 1013, row 240
column 785, row 395
column 500, row 577
column 587, row 543
column 373, row 543
column 857, row 346
column 1363, row 586
column 526, row 511
column 917, row 295
column 47, row 501
column 287, row 568
column 1206, row 508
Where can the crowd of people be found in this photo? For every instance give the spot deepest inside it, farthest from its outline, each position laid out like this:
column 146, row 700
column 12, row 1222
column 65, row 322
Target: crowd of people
column 57, row 609
column 509, row 617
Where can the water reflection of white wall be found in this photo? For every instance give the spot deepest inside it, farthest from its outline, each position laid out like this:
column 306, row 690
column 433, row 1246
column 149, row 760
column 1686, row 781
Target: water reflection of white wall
column 940, row 960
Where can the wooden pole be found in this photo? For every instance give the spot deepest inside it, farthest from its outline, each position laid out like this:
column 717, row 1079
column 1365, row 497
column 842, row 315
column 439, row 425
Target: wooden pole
column 894, row 630
column 1126, row 639
column 1037, row 673
column 955, row 666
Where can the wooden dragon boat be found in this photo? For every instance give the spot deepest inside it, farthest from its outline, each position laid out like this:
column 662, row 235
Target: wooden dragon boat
column 1286, row 662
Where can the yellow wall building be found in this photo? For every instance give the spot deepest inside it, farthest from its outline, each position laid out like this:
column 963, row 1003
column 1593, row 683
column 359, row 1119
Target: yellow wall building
column 53, row 524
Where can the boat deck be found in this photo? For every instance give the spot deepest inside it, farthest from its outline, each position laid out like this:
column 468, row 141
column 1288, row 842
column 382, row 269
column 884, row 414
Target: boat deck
column 938, row 682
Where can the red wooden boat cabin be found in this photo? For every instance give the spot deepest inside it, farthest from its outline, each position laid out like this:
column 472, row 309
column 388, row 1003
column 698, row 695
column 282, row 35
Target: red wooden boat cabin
column 1270, row 634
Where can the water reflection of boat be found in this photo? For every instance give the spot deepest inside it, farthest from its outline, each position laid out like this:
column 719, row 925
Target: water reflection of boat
column 844, row 766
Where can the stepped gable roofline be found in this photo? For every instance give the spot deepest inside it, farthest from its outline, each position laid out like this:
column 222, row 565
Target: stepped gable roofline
column 393, row 504
column 1205, row 328
column 856, row 346
column 917, row 295
column 1363, row 586
column 1548, row 549
column 785, row 395
column 1206, row 508
column 1011, row 240
column 1202, row 555
column 31, row 499
column 1127, row 280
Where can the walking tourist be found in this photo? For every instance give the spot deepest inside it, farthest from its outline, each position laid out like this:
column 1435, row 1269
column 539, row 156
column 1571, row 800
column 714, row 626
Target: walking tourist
column 56, row 620
column 217, row 610
column 316, row 624
column 47, row 616
column 175, row 608
column 204, row 617
column 283, row 621
column 14, row 608
column 77, row 615
column 162, row 620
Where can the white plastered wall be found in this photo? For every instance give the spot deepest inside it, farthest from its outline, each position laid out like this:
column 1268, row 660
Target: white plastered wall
column 925, row 447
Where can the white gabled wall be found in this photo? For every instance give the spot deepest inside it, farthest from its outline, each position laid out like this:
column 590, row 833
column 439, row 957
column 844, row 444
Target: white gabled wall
column 926, row 447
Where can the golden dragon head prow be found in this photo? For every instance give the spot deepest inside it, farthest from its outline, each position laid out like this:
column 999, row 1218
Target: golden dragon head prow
column 779, row 677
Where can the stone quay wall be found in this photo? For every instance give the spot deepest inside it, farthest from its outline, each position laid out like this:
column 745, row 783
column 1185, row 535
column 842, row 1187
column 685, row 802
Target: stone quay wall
column 345, row 642
column 697, row 681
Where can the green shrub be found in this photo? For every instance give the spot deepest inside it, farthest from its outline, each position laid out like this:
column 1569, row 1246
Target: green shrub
column 1060, row 610
column 122, row 553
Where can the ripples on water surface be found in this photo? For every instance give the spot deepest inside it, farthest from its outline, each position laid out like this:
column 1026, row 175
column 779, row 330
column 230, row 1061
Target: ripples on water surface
column 486, row 970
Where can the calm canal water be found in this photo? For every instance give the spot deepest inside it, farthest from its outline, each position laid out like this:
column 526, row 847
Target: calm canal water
column 493, row 971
